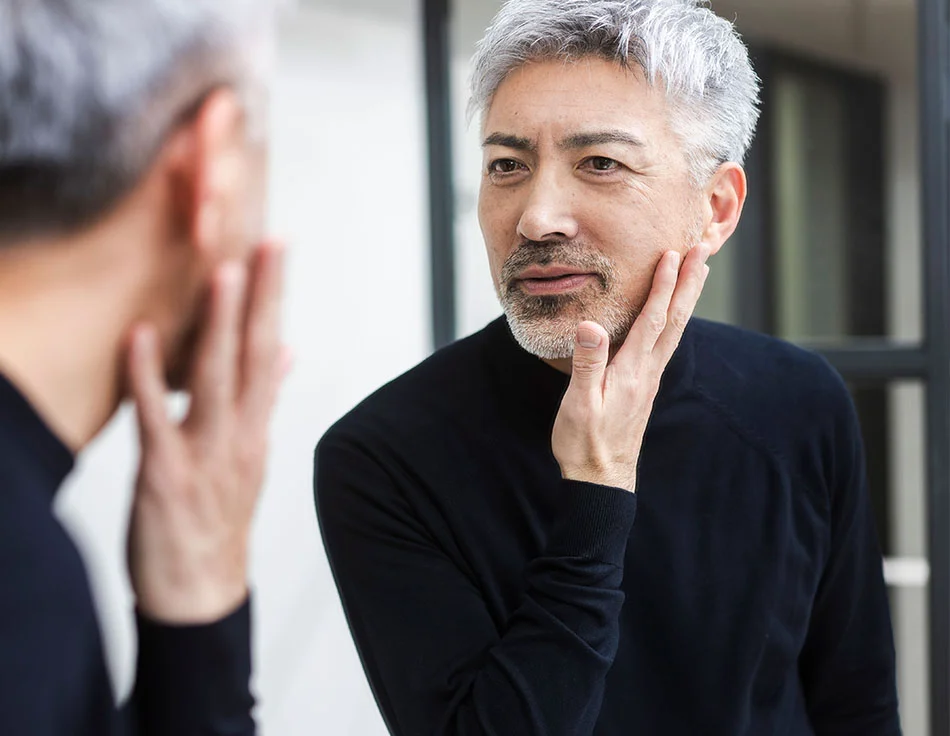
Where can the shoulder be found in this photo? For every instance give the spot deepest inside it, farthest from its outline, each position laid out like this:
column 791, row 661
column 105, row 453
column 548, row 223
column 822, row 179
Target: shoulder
column 451, row 381
column 39, row 561
column 409, row 421
column 45, row 600
column 778, row 394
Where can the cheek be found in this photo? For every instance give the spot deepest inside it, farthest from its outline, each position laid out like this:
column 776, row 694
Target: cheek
column 498, row 221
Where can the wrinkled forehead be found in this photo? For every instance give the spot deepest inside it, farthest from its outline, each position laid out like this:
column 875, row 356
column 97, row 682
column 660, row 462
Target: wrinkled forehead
column 553, row 98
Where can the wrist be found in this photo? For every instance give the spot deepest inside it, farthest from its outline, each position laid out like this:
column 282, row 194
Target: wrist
column 192, row 605
column 626, row 480
column 189, row 589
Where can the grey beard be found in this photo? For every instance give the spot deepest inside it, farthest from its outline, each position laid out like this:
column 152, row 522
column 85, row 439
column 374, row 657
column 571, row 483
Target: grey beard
column 545, row 326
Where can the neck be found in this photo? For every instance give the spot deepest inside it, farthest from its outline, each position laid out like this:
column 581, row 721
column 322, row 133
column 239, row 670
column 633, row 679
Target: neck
column 64, row 316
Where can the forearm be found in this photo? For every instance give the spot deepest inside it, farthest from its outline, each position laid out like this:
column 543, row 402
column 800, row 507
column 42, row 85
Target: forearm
column 440, row 665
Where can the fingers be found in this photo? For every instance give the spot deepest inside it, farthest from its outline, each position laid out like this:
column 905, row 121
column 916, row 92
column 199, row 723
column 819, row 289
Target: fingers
column 652, row 320
column 591, row 352
column 214, row 378
column 689, row 288
column 147, row 386
column 262, row 360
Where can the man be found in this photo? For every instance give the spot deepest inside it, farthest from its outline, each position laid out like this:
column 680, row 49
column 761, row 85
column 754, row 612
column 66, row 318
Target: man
column 492, row 573
column 131, row 162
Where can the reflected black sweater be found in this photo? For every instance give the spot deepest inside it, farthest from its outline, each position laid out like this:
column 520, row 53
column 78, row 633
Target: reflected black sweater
column 487, row 595
column 192, row 681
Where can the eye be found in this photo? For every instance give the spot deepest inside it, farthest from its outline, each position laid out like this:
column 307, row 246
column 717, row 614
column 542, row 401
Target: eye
column 504, row 166
column 602, row 163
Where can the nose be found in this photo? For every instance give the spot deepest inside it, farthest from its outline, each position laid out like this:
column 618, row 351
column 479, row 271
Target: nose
column 548, row 213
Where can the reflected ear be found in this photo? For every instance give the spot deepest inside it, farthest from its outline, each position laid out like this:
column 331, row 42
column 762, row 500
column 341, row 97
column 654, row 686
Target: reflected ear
column 205, row 156
column 725, row 197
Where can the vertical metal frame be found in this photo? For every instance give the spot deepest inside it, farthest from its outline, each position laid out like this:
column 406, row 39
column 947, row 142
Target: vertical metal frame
column 934, row 71
column 437, row 38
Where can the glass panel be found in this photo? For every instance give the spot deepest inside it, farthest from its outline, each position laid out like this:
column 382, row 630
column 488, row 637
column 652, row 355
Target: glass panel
column 811, row 200
column 844, row 240
column 893, row 424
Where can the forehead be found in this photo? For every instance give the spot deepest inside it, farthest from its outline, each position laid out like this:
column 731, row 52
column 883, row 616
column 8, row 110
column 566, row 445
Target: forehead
column 555, row 96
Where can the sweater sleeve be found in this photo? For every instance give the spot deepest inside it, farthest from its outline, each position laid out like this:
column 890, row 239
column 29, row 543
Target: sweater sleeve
column 848, row 663
column 437, row 661
column 194, row 680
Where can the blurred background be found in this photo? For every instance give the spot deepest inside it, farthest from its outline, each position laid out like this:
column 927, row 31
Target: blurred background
column 374, row 174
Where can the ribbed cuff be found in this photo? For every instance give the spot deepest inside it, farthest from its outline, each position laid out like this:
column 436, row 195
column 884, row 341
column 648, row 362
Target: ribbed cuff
column 595, row 523
column 196, row 679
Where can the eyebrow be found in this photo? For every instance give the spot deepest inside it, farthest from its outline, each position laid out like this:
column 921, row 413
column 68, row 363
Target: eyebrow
column 510, row 141
column 600, row 138
column 574, row 142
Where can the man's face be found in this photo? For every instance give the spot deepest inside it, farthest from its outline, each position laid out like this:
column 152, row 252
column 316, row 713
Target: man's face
column 584, row 188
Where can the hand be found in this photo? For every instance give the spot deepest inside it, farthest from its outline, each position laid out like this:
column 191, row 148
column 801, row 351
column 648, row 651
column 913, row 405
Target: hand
column 199, row 481
column 603, row 416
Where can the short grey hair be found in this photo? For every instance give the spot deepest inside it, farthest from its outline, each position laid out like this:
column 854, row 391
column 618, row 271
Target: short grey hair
column 90, row 89
column 698, row 57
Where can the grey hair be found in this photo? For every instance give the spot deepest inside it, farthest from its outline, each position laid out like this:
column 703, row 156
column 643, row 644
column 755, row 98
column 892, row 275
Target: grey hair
column 698, row 57
column 90, row 89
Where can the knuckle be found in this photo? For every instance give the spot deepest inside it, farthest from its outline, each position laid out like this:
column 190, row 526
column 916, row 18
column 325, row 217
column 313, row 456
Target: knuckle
column 656, row 322
column 679, row 319
column 586, row 366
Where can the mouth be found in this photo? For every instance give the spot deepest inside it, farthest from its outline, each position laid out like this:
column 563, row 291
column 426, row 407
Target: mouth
column 552, row 280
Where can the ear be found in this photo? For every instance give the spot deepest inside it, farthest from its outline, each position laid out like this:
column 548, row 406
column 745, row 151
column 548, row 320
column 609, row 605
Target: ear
column 205, row 156
column 724, row 199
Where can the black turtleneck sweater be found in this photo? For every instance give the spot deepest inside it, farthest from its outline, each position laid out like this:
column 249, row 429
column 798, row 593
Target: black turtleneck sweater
column 192, row 681
column 740, row 592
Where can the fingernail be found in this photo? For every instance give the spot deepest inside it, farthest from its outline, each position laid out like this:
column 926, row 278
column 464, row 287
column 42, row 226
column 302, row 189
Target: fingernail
column 675, row 259
column 705, row 271
column 587, row 338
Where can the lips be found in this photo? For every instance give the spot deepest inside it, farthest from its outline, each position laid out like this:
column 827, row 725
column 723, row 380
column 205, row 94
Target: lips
column 549, row 273
column 553, row 281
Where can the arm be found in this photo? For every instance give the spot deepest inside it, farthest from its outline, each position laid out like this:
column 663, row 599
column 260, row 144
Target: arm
column 438, row 663
column 848, row 665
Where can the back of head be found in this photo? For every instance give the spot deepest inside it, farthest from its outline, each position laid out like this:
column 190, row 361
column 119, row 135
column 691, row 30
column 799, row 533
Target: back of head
column 697, row 56
column 90, row 89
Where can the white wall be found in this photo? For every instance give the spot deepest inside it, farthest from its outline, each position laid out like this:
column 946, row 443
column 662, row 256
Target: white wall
column 348, row 192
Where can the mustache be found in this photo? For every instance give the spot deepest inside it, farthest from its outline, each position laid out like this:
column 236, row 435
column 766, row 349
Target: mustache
column 565, row 253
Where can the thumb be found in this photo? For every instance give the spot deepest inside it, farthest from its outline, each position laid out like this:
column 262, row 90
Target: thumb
column 147, row 384
column 591, row 352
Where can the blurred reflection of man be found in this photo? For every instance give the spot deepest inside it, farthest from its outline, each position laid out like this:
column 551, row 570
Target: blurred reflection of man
column 131, row 197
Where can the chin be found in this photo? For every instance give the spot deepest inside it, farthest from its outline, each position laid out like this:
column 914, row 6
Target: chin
column 548, row 332
column 543, row 339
